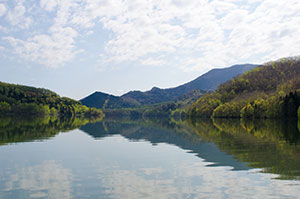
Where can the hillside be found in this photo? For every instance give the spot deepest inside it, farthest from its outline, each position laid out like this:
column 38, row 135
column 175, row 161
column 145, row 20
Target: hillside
column 26, row 101
column 206, row 82
column 271, row 90
column 106, row 101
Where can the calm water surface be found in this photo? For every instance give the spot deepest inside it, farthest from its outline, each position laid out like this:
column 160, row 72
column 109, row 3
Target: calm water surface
column 206, row 159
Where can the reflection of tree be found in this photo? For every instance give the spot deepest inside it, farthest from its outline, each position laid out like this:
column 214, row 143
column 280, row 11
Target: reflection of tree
column 28, row 129
column 268, row 144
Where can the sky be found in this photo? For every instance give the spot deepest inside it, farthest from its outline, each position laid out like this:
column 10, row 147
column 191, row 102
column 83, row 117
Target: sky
column 76, row 47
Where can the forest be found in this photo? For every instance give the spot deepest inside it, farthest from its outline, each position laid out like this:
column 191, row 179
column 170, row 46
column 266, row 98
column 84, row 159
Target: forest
column 271, row 90
column 167, row 110
column 18, row 100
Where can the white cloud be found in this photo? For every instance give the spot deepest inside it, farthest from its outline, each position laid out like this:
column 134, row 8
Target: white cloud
column 222, row 7
column 163, row 28
column 16, row 16
column 139, row 30
column 153, row 62
column 198, row 34
column 2, row 9
column 51, row 50
column 48, row 5
column 3, row 29
column 234, row 19
column 54, row 48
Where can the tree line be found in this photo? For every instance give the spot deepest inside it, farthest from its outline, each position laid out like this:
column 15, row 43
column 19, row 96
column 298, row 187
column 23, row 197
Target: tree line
column 24, row 100
column 268, row 91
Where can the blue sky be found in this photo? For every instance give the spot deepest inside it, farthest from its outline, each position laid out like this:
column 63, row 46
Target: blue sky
column 75, row 47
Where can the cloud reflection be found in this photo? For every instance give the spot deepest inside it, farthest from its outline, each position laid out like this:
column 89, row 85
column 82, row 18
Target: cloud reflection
column 195, row 181
column 48, row 180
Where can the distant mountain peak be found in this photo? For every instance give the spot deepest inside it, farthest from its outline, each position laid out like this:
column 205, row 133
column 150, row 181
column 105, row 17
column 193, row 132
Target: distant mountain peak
column 206, row 82
column 155, row 88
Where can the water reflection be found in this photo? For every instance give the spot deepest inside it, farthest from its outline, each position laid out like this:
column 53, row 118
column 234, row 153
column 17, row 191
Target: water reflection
column 268, row 144
column 13, row 130
column 194, row 180
column 180, row 135
column 143, row 159
column 48, row 179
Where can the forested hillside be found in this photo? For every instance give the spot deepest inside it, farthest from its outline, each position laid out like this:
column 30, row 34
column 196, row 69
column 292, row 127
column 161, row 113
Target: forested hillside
column 271, row 90
column 29, row 101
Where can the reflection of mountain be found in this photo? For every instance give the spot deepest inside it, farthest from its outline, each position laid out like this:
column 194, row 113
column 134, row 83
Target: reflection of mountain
column 267, row 144
column 181, row 137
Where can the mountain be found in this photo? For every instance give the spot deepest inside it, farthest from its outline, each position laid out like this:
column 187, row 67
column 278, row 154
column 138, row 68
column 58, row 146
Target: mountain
column 19, row 100
column 206, row 82
column 106, row 101
column 271, row 90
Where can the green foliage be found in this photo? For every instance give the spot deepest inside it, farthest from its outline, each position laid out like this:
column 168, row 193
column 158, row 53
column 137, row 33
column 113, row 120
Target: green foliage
column 274, row 106
column 268, row 91
column 260, row 108
column 53, row 112
column 30, row 101
column 4, row 108
column 24, row 109
column 163, row 110
column 205, row 105
column 168, row 111
column 247, row 111
column 231, row 110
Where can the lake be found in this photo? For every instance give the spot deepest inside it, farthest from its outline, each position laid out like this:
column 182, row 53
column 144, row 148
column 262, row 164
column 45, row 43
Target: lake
column 144, row 159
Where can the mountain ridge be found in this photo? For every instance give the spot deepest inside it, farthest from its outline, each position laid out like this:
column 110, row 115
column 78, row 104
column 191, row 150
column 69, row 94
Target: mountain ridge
column 206, row 82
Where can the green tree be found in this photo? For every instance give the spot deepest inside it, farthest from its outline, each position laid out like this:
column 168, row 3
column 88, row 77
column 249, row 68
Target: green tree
column 273, row 90
column 230, row 110
column 260, row 108
column 247, row 111
column 53, row 112
column 4, row 108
